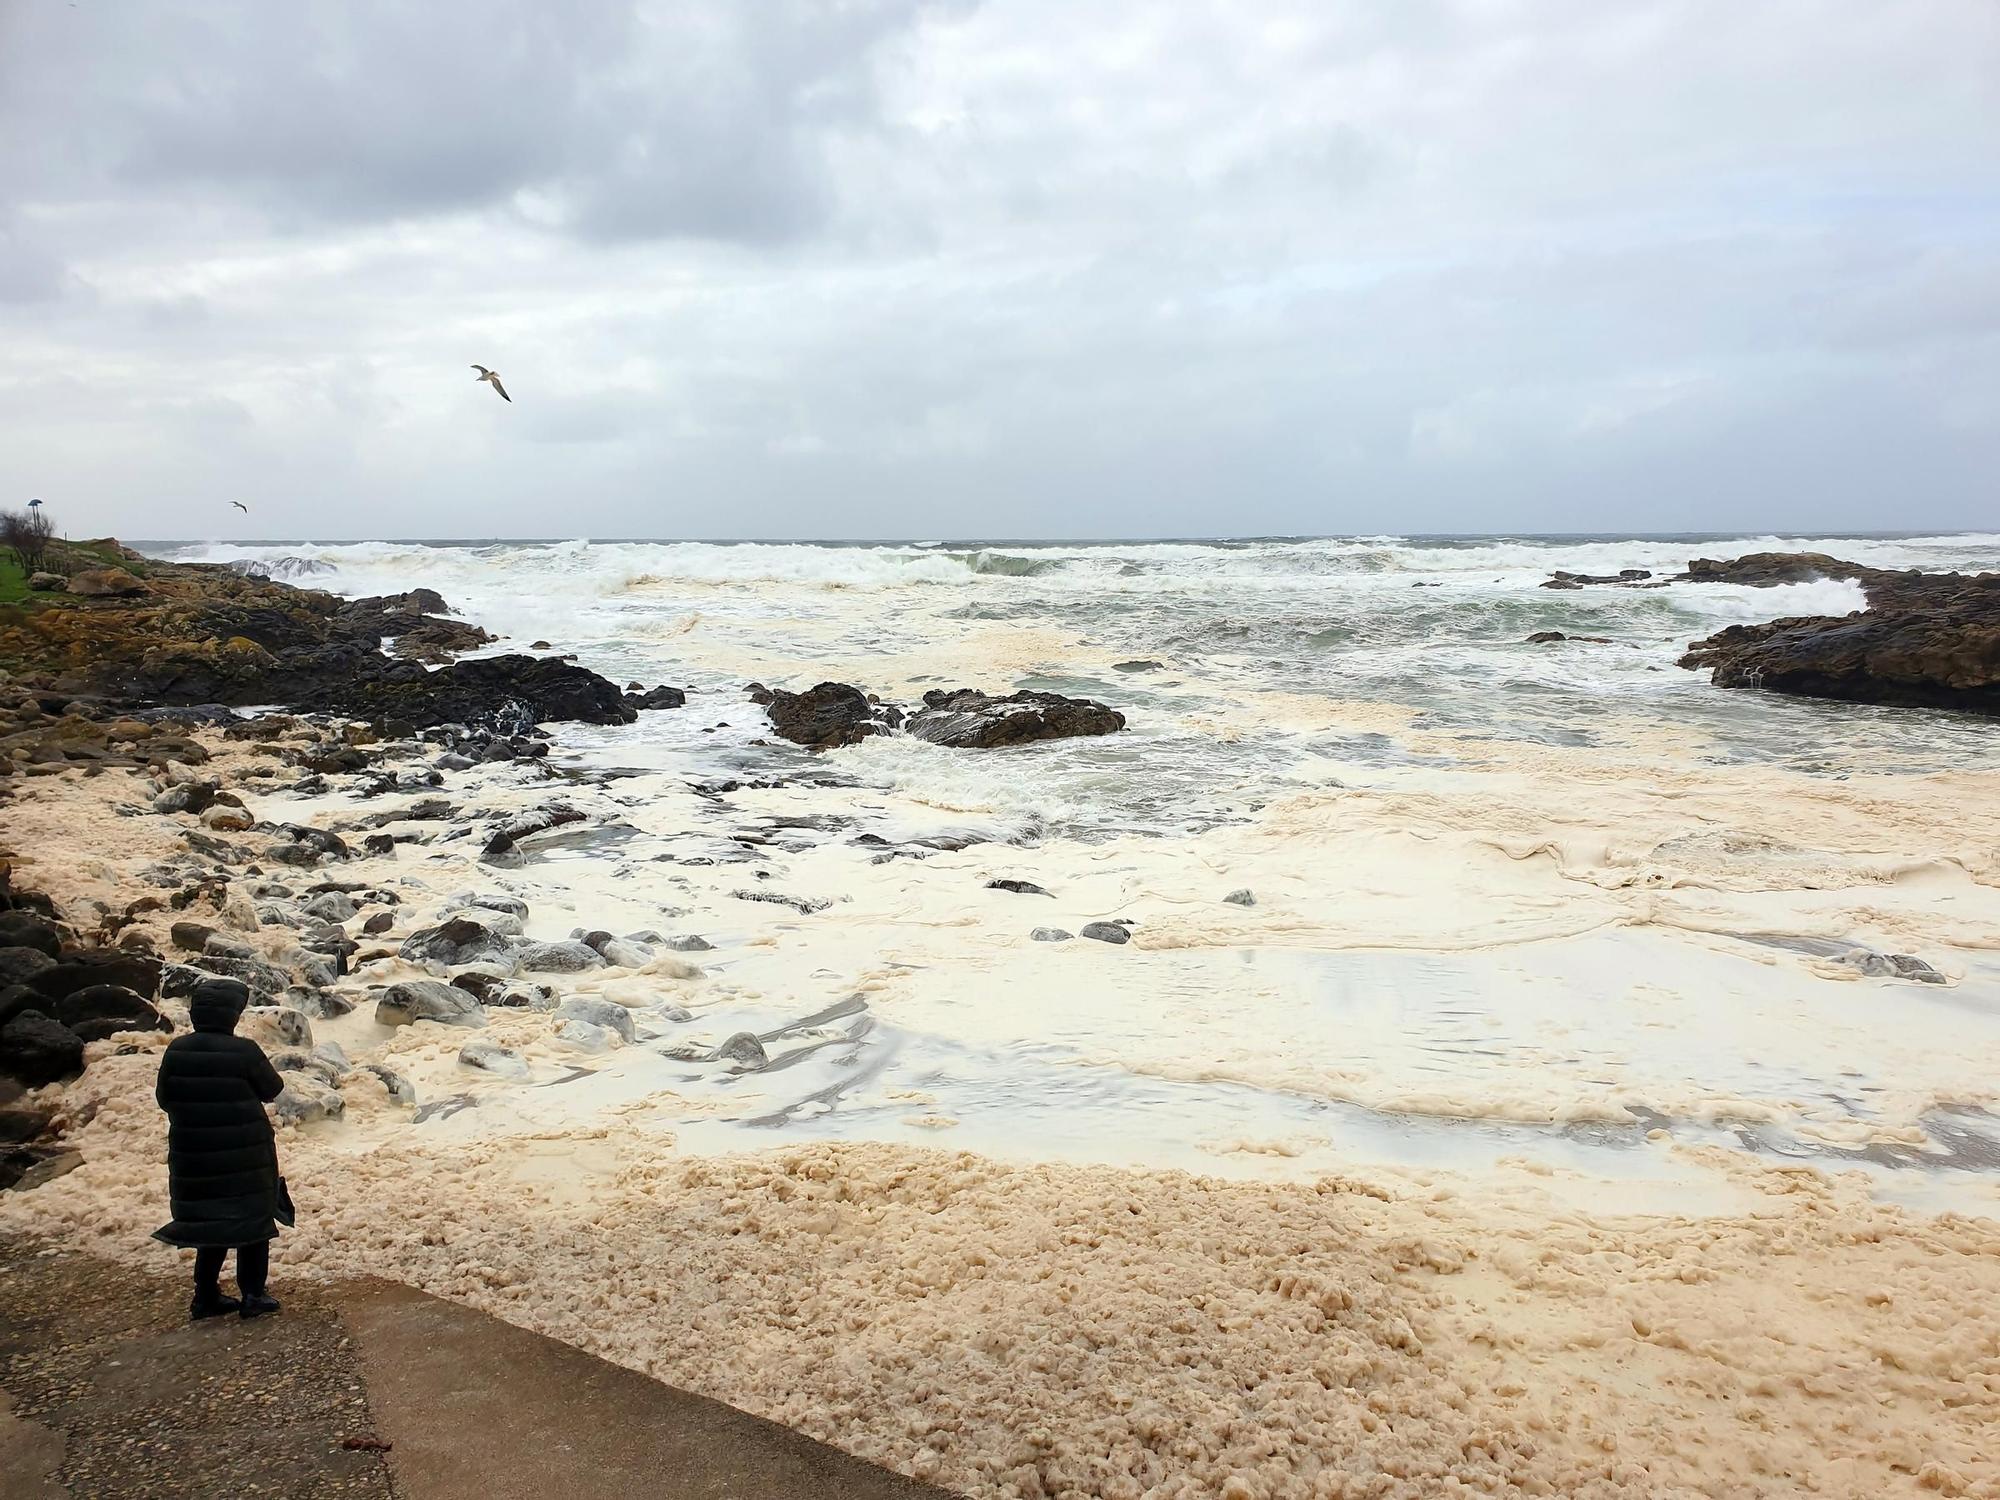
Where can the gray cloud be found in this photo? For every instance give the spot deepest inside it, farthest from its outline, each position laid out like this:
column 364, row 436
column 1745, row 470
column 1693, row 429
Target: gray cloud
column 901, row 268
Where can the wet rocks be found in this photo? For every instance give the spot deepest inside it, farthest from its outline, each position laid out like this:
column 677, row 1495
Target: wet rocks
column 459, row 940
column 1242, row 896
column 27, row 929
column 307, row 1098
column 1018, row 887
column 606, row 1013
column 36, row 1049
column 570, row 957
column 101, row 1010
column 656, row 698
column 1928, row 640
column 1139, row 666
column 1105, row 932
column 1628, row 576
column 688, row 943
column 1051, row 935
column 18, row 965
column 427, row 1000
column 826, row 716
column 966, row 719
column 744, row 1049
column 81, row 967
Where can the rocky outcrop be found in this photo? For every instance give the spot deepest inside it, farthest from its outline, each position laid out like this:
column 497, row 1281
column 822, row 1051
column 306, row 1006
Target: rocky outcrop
column 827, row 716
column 204, row 634
column 1926, row 640
column 95, row 583
column 966, row 719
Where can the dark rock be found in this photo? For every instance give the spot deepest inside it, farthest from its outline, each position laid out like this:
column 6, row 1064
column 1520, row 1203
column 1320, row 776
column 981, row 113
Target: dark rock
column 1545, row 637
column 482, row 987
column 381, row 921
column 192, row 937
column 969, row 720
column 459, row 940
column 1051, row 935
column 19, row 965
column 1241, row 897
column 659, row 697
column 37, row 1050
column 23, row 1120
column 82, row 967
column 826, row 716
column 27, row 929
column 1926, row 640
column 378, row 843
column 102, row 1010
column 1579, row 580
column 1138, row 666
column 1018, row 887
column 1106, row 932
column 691, row 943
column 262, row 978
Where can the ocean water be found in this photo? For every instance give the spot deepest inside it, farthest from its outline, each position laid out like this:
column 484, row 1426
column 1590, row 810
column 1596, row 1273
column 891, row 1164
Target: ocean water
column 1511, row 898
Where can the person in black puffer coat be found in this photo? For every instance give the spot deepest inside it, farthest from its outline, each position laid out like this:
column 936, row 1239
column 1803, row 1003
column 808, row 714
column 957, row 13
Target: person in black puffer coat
column 222, row 1159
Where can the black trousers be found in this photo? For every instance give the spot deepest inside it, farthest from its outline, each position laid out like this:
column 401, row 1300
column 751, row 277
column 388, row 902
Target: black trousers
column 253, row 1266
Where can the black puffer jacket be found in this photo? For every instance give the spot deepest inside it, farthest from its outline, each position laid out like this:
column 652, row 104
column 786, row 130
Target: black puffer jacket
column 222, row 1161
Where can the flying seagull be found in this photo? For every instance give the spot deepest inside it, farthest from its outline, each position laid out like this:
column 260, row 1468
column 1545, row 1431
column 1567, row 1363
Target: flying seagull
column 492, row 378
column 241, row 506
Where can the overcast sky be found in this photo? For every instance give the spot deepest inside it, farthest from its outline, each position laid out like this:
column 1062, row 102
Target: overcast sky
column 1026, row 267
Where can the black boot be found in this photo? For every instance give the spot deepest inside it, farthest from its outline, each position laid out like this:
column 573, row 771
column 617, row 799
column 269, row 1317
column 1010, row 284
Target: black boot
column 211, row 1304
column 256, row 1305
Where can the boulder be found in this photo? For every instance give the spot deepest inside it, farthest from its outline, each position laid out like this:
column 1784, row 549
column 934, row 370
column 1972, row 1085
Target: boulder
column 570, row 957
column 744, row 1049
column 400, row 1089
column 96, row 583
column 36, row 1050
column 1050, row 935
column 48, row 583
column 26, row 929
column 81, row 967
column 427, row 1000
column 100, row 1010
column 332, row 906
column 457, row 940
column 826, row 716
column 964, row 719
column 1106, row 932
column 606, row 1013
column 19, row 965
column 223, row 819
column 263, row 978
column 659, row 697
column 307, row 1098
column 275, row 1026
column 688, row 943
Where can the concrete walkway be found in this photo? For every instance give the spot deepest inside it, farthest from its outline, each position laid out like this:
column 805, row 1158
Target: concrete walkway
column 107, row 1391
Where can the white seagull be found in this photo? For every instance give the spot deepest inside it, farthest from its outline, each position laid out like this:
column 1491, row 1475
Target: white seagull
column 492, row 378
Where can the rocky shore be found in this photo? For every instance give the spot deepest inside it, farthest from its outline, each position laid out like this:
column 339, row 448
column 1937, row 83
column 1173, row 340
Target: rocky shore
column 480, row 1077
column 1926, row 640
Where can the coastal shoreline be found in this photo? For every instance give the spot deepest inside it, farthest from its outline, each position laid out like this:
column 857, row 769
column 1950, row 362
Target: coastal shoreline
column 1009, row 1327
